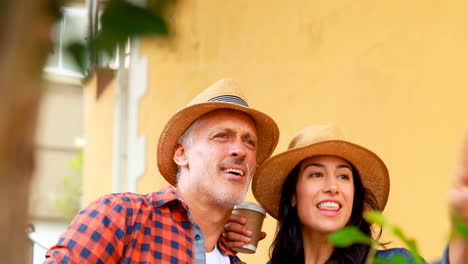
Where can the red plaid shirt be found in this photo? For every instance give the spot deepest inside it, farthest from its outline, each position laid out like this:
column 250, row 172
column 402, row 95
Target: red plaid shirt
column 131, row 228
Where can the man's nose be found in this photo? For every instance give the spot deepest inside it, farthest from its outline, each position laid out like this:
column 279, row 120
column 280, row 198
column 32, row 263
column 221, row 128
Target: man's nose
column 237, row 149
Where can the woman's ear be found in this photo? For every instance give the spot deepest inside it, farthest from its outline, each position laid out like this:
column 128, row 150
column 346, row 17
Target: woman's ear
column 180, row 156
column 293, row 200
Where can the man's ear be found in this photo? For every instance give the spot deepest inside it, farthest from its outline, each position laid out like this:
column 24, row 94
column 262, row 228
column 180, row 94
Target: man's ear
column 180, row 155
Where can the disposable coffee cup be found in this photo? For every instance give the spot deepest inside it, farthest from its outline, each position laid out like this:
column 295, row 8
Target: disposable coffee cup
column 255, row 216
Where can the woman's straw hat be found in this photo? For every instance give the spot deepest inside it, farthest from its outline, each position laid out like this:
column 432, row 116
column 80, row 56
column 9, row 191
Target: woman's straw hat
column 314, row 141
column 224, row 94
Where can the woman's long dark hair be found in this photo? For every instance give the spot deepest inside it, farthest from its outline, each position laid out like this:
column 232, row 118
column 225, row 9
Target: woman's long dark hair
column 288, row 245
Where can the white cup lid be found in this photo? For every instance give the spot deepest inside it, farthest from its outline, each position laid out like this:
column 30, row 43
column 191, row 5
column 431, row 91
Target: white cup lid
column 251, row 247
column 250, row 206
column 247, row 249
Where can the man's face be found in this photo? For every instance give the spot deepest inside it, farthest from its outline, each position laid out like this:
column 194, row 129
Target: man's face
column 220, row 157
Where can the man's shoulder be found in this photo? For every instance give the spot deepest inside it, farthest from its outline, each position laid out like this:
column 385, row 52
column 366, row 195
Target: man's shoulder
column 127, row 204
column 129, row 198
column 121, row 198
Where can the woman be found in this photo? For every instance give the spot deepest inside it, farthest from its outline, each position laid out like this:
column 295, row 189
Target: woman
column 325, row 184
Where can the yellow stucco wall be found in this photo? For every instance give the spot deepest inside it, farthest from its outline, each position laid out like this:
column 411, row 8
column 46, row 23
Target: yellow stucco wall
column 391, row 74
column 99, row 136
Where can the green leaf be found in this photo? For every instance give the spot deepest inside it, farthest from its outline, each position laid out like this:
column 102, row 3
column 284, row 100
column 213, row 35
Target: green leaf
column 380, row 260
column 123, row 19
column 460, row 227
column 409, row 242
column 120, row 21
column 68, row 204
column 399, row 233
column 398, row 259
column 370, row 259
column 79, row 52
column 349, row 235
column 413, row 246
column 376, row 217
column 462, row 230
column 77, row 163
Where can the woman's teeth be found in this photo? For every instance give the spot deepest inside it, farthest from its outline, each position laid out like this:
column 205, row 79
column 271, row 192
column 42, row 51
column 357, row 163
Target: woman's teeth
column 328, row 205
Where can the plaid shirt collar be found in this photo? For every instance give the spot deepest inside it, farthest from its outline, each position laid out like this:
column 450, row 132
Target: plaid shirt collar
column 168, row 195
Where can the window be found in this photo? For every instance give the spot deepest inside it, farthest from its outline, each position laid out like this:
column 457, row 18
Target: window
column 72, row 27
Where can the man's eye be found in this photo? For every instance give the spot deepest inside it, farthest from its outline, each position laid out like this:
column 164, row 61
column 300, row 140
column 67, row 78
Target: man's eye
column 250, row 142
column 221, row 135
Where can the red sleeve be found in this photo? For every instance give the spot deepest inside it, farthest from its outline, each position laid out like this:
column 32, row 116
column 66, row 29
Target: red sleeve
column 96, row 235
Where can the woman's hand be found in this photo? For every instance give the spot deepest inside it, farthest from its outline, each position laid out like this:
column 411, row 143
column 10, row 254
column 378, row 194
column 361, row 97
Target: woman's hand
column 236, row 233
column 458, row 198
column 458, row 195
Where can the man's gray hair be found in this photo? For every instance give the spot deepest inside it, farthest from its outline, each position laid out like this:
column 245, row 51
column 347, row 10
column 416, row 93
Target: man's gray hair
column 186, row 140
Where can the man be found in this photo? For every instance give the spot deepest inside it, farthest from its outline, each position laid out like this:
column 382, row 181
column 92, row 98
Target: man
column 209, row 150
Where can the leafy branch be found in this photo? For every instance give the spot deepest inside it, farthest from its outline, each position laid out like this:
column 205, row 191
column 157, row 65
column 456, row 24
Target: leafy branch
column 68, row 204
column 120, row 21
column 459, row 228
column 350, row 235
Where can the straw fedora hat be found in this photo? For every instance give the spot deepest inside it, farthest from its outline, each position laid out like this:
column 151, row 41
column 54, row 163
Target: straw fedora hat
column 224, row 94
column 314, row 141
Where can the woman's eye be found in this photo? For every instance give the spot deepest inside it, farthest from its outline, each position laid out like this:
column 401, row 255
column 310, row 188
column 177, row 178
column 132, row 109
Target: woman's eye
column 343, row 177
column 315, row 174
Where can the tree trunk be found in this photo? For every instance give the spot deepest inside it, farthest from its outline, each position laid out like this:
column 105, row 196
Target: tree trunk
column 24, row 43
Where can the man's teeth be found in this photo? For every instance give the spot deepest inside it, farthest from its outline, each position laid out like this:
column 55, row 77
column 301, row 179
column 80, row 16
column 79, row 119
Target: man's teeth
column 235, row 171
column 329, row 205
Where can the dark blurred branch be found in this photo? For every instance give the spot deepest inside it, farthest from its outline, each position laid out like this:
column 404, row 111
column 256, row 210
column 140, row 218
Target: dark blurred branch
column 24, row 44
column 25, row 30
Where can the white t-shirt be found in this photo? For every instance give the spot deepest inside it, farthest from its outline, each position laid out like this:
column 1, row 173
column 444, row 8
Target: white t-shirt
column 216, row 257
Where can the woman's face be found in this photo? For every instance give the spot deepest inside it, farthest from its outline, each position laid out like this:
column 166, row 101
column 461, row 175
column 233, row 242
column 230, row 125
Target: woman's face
column 324, row 193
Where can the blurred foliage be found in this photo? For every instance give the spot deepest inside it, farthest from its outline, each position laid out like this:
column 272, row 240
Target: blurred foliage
column 121, row 21
column 395, row 259
column 460, row 228
column 345, row 237
column 349, row 235
column 68, row 205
